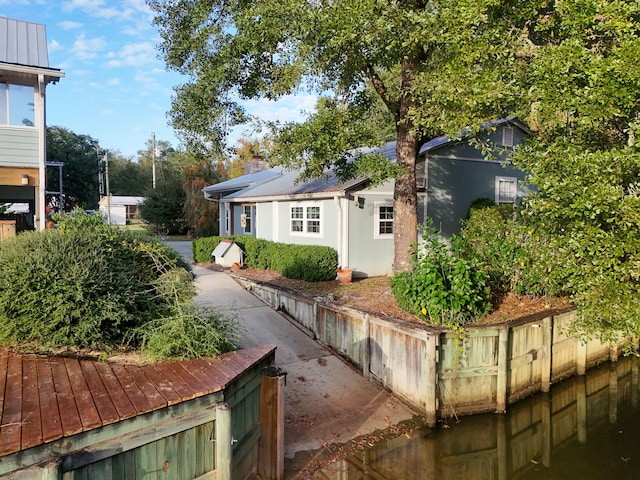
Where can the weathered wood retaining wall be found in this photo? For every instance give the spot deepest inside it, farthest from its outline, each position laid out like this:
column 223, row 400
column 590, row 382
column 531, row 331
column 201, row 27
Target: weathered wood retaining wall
column 510, row 446
column 432, row 369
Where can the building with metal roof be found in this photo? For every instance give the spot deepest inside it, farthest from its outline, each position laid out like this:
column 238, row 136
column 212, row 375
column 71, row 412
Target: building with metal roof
column 24, row 76
column 356, row 217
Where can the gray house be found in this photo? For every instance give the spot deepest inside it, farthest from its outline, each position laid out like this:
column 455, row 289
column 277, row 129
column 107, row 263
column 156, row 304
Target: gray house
column 356, row 218
column 24, row 76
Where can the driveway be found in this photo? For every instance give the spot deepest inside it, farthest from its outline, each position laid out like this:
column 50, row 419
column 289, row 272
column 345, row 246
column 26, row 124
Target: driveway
column 326, row 400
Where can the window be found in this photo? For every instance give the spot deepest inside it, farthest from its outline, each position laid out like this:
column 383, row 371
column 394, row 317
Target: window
column 383, row 220
column 245, row 218
column 306, row 220
column 16, row 105
column 506, row 189
column 227, row 218
column 507, row 136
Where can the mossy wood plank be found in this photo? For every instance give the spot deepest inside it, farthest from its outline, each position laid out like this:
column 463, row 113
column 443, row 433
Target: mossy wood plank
column 11, row 413
column 167, row 458
column 124, row 465
column 205, row 443
column 147, row 467
column 31, row 425
column 141, row 432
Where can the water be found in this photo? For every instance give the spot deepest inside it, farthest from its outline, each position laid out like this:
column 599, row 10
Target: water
column 587, row 428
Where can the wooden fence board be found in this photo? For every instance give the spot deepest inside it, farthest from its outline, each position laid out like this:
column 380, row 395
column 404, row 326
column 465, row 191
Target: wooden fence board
column 11, row 422
column 32, row 424
column 50, row 413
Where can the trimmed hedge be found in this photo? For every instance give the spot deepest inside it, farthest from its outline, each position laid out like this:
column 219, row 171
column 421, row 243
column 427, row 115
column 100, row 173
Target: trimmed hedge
column 300, row 262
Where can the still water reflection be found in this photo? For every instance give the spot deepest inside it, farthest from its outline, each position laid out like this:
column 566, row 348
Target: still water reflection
column 586, row 428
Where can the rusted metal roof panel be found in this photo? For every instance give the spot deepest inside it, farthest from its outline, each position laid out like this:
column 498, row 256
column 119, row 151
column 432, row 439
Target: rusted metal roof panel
column 23, row 43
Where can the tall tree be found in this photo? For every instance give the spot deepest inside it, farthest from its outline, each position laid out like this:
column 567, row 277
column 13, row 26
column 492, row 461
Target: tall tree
column 583, row 89
column 79, row 156
column 246, row 150
column 269, row 48
column 200, row 214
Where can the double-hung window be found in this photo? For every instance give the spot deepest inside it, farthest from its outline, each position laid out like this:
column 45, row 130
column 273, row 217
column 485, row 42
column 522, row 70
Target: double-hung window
column 383, row 224
column 506, row 189
column 246, row 218
column 305, row 219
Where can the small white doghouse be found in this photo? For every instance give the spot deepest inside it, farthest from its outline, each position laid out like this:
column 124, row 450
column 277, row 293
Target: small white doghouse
column 228, row 253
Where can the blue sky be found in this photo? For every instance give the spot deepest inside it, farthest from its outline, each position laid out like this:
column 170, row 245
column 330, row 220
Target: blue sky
column 116, row 89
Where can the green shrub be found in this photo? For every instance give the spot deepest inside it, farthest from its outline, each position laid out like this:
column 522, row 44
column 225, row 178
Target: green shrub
column 504, row 246
column 86, row 284
column 189, row 332
column 444, row 287
column 301, row 262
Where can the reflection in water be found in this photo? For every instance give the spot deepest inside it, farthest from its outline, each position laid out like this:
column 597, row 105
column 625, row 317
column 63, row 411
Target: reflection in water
column 586, row 428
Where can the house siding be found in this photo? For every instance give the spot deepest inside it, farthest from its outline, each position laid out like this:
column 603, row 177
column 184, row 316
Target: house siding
column 454, row 184
column 369, row 256
column 19, row 147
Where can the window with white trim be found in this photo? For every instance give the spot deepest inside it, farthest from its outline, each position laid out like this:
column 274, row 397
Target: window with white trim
column 245, row 218
column 227, row 218
column 506, row 189
column 305, row 219
column 383, row 220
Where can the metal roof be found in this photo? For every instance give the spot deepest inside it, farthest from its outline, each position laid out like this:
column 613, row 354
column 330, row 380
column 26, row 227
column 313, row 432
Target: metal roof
column 23, row 43
column 23, row 48
column 242, row 182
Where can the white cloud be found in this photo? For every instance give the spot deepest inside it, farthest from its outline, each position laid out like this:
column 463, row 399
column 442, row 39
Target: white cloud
column 289, row 108
column 133, row 55
column 54, row 46
column 87, row 48
column 69, row 25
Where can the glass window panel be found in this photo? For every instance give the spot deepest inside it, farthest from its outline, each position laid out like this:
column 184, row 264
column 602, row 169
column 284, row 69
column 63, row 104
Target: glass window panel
column 21, row 106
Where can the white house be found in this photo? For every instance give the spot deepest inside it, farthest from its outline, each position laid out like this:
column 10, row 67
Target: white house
column 118, row 210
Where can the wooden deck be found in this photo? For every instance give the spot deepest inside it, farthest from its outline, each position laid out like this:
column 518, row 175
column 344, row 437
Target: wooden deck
column 46, row 398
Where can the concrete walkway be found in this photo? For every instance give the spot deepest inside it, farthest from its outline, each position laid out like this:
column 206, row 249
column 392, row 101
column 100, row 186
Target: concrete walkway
column 326, row 400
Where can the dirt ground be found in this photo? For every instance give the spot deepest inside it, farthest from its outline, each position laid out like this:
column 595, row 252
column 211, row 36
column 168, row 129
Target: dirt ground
column 374, row 295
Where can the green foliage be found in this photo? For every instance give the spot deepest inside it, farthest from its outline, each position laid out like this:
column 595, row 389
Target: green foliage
column 163, row 207
column 589, row 204
column 86, row 284
column 444, row 287
column 304, row 262
column 505, row 247
column 80, row 171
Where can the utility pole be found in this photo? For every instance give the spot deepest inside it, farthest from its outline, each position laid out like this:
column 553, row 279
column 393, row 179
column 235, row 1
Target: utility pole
column 106, row 181
column 153, row 159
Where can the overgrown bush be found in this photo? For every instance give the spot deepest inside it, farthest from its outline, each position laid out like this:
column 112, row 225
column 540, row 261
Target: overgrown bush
column 444, row 286
column 85, row 284
column 505, row 247
column 302, row 262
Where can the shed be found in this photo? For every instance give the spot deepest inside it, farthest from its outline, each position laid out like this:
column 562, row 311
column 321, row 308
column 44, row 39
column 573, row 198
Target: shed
column 68, row 418
column 227, row 253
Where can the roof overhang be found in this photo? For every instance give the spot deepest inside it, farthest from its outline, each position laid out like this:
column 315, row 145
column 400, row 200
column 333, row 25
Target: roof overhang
column 51, row 75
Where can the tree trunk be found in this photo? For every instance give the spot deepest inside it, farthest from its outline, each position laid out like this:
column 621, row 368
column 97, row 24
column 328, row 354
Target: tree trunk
column 405, row 212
